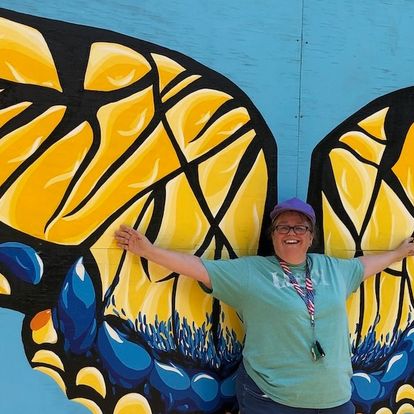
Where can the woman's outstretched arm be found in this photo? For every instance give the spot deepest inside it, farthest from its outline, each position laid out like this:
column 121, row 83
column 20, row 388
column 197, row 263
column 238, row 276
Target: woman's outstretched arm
column 375, row 263
column 185, row 264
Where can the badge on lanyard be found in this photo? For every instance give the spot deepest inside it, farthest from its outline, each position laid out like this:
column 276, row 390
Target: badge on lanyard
column 317, row 351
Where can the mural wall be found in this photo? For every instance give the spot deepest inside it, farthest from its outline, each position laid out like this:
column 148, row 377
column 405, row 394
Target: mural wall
column 98, row 129
column 361, row 185
column 102, row 127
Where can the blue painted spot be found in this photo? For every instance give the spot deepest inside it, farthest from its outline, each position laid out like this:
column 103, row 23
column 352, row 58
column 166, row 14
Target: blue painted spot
column 172, row 377
column 22, row 261
column 76, row 310
column 205, row 386
column 228, row 386
column 366, row 386
column 396, row 367
column 127, row 363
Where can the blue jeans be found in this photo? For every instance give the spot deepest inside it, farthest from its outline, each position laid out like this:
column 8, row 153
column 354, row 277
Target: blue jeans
column 252, row 400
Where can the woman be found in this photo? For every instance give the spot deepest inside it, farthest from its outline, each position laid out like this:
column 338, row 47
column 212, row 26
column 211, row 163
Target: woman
column 296, row 356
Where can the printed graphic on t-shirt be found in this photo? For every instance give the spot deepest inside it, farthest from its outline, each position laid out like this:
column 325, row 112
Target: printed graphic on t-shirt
column 281, row 281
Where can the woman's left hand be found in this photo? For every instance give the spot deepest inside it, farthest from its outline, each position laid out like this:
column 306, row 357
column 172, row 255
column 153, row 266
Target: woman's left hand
column 376, row 263
column 406, row 248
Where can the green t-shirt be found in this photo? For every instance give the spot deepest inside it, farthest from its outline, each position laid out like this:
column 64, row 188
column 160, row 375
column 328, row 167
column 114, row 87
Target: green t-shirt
column 279, row 336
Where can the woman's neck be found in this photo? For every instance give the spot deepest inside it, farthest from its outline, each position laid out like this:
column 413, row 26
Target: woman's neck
column 292, row 260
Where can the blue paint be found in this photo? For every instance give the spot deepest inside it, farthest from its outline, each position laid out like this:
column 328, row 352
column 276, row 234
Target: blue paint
column 351, row 53
column 75, row 315
column 205, row 386
column 172, row 377
column 22, row 262
column 228, row 386
column 126, row 362
column 396, row 367
column 41, row 393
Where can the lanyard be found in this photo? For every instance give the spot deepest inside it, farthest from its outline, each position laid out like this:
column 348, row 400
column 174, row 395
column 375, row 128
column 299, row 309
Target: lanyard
column 308, row 296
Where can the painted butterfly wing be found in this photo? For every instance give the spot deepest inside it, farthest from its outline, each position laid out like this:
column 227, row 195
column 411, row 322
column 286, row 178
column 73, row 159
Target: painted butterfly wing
column 362, row 187
column 99, row 129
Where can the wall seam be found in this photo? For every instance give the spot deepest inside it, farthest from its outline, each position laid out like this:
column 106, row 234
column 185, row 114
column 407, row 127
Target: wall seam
column 300, row 97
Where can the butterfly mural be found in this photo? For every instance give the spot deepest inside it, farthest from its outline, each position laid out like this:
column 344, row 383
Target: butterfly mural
column 98, row 129
column 361, row 186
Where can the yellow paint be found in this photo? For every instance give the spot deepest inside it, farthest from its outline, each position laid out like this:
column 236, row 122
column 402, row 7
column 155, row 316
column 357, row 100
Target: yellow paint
column 46, row 179
column 353, row 308
column 223, row 128
column 189, row 293
column 20, row 144
column 42, row 328
column 152, row 300
column 407, row 310
column 25, row 56
column 370, row 309
column 404, row 167
column 355, row 182
column 374, row 124
column 90, row 405
column 47, row 357
column 410, row 268
column 216, row 174
column 145, row 166
column 338, row 241
column 381, row 311
column 182, row 228
column 168, row 69
column 406, row 408
column 406, row 391
column 383, row 410
column 389, row 293
column 135, row 292
column 365, row 146
column 92, row 377
column 105, row 251
column 54, row 375
column 230, row 320
column 179, row 87
column 112, row 66
column 189, row 116
column 8, row 113
column 242, row 222
column 389, row 223
column 121, row 123
column 132, row 404
column 5, row 288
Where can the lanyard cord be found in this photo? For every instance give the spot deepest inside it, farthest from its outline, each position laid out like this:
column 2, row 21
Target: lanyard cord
column 309, row 295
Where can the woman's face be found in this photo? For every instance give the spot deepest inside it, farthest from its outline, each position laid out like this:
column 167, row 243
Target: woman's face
column 292, row 247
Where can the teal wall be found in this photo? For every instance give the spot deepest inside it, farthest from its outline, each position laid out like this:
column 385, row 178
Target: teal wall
column 306, row 65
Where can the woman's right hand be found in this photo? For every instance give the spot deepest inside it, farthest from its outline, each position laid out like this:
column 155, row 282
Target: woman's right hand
column 132, row 240
column 181, row 263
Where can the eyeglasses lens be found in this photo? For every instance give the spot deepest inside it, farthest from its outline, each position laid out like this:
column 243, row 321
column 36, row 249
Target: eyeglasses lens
column 298, row 230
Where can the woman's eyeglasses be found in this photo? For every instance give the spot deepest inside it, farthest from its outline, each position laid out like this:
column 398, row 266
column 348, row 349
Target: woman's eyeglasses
column 285, row 229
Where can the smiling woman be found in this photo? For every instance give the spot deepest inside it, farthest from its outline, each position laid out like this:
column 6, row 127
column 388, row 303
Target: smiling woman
column 307, row 345
column 292, row 246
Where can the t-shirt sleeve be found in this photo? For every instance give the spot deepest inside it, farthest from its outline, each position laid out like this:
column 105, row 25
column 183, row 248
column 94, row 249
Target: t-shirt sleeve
column 352, row 271
column 229, row 279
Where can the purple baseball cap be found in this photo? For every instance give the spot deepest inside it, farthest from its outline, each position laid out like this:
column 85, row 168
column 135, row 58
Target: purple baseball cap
column 294, row 204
